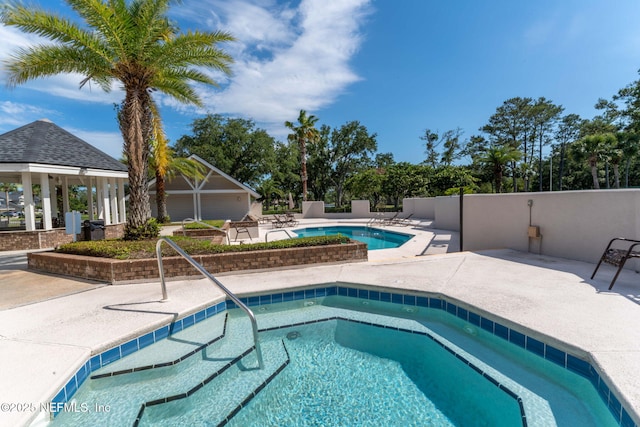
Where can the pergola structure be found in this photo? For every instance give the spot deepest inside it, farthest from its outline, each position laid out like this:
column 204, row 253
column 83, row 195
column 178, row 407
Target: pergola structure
column 45, row 154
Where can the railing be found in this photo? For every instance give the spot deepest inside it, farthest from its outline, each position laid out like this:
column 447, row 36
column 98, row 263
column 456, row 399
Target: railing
column 191, row 220
column 201, row 269
column 275, row 231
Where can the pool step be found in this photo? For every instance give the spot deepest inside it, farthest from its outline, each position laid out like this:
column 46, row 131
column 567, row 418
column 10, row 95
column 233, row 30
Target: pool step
column 128, row 391
column 218, row 398
column 169, row 351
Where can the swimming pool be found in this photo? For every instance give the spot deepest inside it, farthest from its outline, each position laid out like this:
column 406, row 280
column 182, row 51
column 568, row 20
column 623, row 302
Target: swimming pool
column 375, row 238
column 203, row 372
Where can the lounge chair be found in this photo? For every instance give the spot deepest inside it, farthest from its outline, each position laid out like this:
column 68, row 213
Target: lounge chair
column 389, row 221
column 258, row 219
column 618, row 256
column 403, row 221
column 279, row 221
column 291, row 220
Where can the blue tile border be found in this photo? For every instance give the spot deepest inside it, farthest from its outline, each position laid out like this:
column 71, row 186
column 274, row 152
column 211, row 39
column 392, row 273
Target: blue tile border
column 554, row 355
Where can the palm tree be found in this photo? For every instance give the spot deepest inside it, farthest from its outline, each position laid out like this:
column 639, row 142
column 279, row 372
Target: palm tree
column 496, row 157
column 591, row 148
column 133, row 43
column 166, row 166
column 303, row 133
column 269, row 189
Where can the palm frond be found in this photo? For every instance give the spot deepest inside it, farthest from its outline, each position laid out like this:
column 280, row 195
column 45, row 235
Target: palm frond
column 179, row 90
column 105, row 18
column 151, row 25
column 44, row 61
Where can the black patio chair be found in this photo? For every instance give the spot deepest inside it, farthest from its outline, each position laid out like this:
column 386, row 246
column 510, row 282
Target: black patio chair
column 618, row 256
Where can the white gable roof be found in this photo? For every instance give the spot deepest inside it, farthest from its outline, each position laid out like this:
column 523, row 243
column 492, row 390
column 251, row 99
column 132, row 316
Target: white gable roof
column 222, row 174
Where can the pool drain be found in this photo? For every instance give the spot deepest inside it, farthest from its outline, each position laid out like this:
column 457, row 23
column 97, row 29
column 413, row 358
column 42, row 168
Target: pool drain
column 293, row 335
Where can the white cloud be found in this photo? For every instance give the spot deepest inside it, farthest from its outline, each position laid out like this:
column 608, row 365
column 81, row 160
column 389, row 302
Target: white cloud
column 290, row 59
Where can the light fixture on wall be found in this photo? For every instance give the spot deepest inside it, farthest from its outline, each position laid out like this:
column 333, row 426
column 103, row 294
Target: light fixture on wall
column 83, row 171
column 237, row 198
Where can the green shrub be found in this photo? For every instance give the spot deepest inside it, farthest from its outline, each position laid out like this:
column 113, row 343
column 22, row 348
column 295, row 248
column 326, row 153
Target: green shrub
column 149, row 230
column 195, row 226
column 164, row 220
column 140, row 249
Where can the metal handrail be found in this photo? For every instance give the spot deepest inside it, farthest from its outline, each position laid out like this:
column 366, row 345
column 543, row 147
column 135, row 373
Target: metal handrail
column 275, row 231
column 190, row 220
column 201, row 269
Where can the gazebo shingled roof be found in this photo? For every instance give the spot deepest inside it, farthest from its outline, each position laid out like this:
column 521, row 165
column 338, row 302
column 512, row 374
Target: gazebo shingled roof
column 44, row 142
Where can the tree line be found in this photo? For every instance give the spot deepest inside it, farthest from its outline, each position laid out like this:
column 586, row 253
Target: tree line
column 526, row 145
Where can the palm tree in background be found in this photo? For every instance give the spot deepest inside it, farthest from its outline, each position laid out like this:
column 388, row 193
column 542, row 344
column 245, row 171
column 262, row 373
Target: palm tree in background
column 303, row 133
column 166, row 166
column 496, row 157
column 592, row 148
column 270, row 190
column 132, row 43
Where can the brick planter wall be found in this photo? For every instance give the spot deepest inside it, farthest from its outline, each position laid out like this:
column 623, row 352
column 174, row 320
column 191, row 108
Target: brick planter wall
column 22, row 240
column 117, row 271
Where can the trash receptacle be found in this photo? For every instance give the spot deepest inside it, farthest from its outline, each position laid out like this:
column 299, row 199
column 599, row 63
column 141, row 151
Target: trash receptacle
column 93, row 230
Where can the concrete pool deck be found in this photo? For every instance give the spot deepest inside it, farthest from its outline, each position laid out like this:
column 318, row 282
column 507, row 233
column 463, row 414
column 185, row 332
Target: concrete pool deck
column 42, row 344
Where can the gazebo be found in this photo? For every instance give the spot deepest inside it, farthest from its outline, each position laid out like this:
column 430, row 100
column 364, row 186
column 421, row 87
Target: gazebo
column 43, row 153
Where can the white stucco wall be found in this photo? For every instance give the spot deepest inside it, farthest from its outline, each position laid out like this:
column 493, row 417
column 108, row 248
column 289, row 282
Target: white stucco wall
column 424, row 207
column 573, row 224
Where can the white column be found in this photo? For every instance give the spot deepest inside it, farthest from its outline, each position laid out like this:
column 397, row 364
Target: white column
column 121, row 201
column 114, row 201
column 196, row 204
column 99, row 198
column 29, row 205
column 104, row 184
column 90, row 204
column 46, row 201
column 65, row 196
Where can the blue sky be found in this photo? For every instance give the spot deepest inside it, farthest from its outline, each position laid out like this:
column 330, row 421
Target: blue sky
column 397, row 66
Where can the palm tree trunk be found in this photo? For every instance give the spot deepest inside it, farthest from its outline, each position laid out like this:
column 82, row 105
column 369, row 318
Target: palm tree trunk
column 594, row 175
column 303, row 173
column 616, row 175
column 161, row 199
column 135, row 125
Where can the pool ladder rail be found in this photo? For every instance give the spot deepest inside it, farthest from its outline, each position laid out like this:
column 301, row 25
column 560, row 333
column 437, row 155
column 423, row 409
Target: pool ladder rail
column 201, row 269
column 284, row 230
